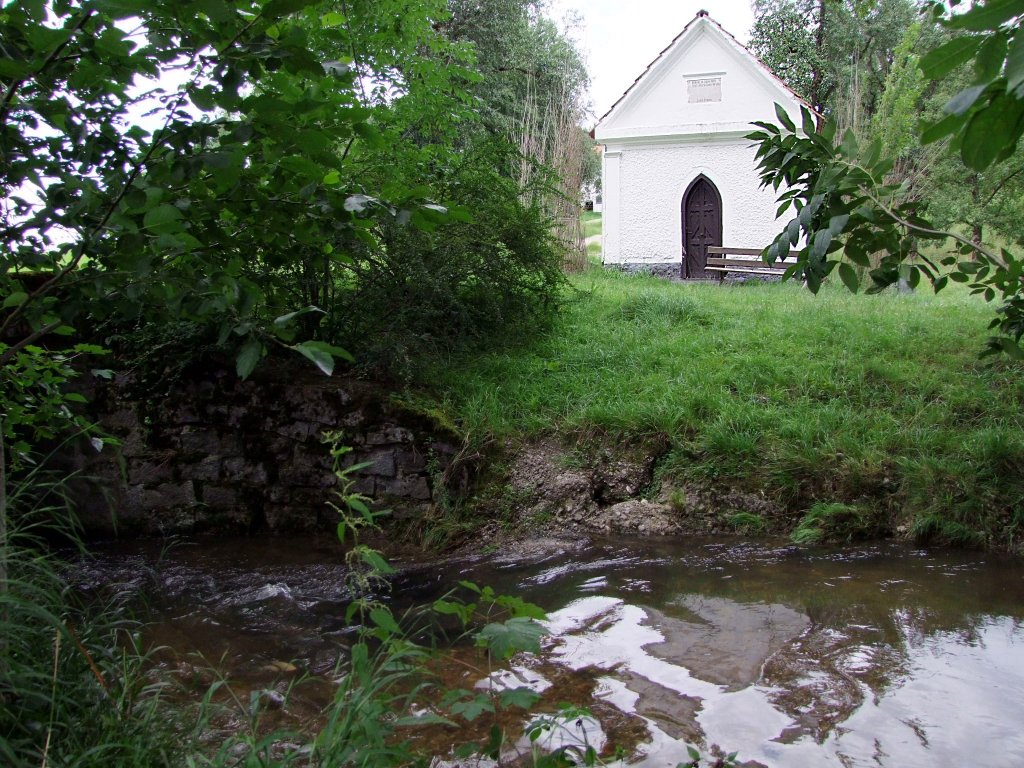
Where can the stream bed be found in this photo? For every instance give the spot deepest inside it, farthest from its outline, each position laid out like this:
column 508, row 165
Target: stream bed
column 873, row 655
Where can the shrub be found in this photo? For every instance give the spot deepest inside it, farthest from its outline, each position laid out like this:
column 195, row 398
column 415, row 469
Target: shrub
column 491, row 277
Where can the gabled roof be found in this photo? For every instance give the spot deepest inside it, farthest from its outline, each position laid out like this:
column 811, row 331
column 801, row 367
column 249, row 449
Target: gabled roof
column 703, row 17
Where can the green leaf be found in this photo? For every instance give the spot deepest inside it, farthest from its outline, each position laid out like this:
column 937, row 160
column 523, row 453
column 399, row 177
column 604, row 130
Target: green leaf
column 944, row 127
column 284, row 320
column 427, row 718
column 383, row 618
column 990, row 16
column 322, row 354
column 990, row 130
column 473, row 708
column 358, row 505
column 964, row 100
column 516, row 634
column 369, row 134
column 162, row 218
column 522, row 697
column 1011, row 348
column 15, row 299
column 849, row 277
column 784, row 117
column 822, row 240
column 332, row 19
column 376, row 562
column 849, row 146
column 807, row 120
column 248, row 356
column 1015, row 65
column 988, row 64
column 940, row 61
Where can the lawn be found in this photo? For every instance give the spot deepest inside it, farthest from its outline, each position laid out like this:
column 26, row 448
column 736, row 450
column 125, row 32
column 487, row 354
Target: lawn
column 591, row 223
column 873, row 400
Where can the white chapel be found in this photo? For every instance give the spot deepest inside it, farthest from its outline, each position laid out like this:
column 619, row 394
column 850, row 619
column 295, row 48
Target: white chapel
column 677, row 175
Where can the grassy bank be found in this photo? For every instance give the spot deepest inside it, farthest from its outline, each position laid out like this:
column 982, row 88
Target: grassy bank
column 879, row 402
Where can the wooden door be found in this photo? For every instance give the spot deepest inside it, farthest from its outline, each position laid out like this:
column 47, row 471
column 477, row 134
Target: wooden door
column 702, row 226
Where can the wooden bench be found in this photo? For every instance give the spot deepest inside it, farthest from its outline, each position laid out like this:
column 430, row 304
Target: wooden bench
column 747, row 261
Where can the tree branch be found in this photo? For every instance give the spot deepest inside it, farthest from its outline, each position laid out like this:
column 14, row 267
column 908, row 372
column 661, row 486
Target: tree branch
column 12, row 350
column 1001, row 184
column 12, row 89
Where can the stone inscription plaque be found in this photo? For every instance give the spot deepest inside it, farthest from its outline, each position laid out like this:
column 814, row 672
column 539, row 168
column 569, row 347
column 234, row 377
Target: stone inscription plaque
column 702, row 90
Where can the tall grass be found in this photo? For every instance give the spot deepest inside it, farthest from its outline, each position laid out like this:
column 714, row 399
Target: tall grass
column 763, row 386
column 73, row 686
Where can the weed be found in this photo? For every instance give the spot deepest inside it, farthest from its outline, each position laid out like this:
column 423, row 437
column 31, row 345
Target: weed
column 835, row 522
column 677, row 500
column 938, row 528
column 658, row 307
column 73, row 683
column 748, row 522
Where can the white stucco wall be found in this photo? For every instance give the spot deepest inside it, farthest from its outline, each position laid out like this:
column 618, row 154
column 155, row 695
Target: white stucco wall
column 657, row 142
column 643, row 209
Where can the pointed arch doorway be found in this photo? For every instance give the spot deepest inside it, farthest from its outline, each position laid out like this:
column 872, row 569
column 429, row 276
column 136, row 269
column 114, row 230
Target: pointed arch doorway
column 702, row 225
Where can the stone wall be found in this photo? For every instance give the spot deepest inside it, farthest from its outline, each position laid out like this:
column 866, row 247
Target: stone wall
column 213, row 453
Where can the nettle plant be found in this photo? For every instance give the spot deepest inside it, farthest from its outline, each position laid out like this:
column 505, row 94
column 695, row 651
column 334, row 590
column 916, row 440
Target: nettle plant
column 849, row 215
column 386, row 686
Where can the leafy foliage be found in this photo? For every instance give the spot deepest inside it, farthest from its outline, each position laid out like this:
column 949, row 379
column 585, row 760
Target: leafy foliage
column 457, row 283
column 37, row 405
column 784, row 41
column 231, row 163
column 846, row 210
column 836, row 53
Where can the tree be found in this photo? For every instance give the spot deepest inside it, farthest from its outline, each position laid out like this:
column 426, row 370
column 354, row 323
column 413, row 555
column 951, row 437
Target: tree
column 238, row 171
column 784, row 40
column 533, row 93
column 847, row 208
column 837, row 53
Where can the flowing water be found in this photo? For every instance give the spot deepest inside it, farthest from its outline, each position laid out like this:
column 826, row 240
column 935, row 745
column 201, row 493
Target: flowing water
column 878, row 655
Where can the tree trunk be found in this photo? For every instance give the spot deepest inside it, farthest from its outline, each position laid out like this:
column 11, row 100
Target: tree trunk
column 818, row 78
column 3, row 545
column 975, row 181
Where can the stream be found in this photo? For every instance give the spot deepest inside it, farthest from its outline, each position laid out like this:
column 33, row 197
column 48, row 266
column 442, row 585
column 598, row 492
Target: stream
column 873, row 655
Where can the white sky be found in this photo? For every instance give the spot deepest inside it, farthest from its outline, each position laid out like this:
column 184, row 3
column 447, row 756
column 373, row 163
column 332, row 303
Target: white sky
column 621, row 37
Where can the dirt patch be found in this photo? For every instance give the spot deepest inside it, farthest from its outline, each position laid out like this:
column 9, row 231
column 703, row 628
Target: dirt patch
column 563, row 492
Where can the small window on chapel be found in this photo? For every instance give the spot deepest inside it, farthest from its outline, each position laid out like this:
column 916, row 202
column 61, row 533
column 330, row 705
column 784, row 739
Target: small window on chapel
column 702, row 90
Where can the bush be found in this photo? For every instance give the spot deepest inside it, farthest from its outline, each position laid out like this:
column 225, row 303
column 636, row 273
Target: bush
column 468, row 283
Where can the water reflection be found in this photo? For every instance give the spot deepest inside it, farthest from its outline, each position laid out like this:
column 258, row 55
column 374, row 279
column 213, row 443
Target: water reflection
column 878, row 655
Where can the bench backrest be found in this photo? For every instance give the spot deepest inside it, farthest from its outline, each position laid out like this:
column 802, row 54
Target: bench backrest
column 720, row 251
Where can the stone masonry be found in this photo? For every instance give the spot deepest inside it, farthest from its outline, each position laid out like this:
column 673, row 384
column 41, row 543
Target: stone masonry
column 213, row 453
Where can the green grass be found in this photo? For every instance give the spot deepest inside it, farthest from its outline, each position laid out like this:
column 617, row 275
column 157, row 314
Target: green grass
column 832, row 398
column 591, row 223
